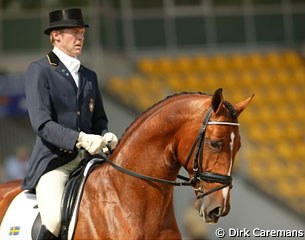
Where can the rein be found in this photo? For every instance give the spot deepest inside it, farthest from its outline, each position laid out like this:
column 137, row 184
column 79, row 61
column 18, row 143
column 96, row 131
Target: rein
column 199, row 175
column 187, row 181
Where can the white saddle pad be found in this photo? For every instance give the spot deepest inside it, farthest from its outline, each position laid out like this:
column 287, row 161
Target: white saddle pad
column 19, row 217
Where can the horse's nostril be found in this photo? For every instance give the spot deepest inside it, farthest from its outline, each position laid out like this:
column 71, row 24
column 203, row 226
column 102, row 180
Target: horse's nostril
column 215, row 213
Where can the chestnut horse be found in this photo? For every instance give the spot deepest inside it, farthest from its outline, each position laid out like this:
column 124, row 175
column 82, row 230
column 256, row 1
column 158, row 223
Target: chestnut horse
column 192, row 130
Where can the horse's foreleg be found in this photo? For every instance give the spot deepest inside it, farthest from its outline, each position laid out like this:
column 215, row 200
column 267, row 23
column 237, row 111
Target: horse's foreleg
column 169, row 229
column 170, row 235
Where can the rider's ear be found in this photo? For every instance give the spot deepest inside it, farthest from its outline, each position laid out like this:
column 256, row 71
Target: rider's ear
column 239, row 107
column 217, row 100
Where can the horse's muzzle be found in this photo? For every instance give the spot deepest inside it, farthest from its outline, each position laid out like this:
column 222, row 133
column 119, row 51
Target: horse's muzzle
column 210, row 209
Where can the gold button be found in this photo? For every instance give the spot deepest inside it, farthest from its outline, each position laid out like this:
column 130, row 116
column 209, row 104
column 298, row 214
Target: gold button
column 78, row 113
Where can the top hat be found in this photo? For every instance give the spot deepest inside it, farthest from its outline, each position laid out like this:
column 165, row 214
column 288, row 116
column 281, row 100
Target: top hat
column 66, row 18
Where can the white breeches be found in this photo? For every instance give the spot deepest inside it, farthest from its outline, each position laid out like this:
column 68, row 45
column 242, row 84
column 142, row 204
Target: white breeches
column 49, row 192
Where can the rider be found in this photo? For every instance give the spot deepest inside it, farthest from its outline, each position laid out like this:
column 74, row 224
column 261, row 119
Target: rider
column 66, row 113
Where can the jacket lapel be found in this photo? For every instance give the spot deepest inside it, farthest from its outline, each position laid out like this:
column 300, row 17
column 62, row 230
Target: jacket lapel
column 61, row 69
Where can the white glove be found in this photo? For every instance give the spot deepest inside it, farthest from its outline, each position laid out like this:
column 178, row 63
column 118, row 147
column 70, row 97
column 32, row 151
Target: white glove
column 91, row 142
column 110, row 140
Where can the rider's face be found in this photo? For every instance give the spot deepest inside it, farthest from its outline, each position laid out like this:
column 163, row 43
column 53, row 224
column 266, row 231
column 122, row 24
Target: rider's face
column 69, row 40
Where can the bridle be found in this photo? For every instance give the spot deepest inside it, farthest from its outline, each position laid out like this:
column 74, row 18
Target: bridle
column 198, row 173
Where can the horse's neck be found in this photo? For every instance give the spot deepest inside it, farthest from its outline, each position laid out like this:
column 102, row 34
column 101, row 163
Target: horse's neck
column 148, row 149
column 153, row 156
column 148, row 146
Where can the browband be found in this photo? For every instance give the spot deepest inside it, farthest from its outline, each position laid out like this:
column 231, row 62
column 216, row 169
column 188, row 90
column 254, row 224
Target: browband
column 222, row 123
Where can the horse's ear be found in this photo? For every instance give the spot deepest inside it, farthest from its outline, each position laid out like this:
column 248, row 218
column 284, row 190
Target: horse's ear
column 239, row 107
column 217, row 100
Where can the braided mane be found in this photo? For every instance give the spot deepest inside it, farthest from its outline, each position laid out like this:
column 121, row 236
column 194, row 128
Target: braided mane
column 159, row 103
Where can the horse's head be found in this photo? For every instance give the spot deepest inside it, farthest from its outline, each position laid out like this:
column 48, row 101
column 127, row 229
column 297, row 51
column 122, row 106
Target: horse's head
column 211, row 158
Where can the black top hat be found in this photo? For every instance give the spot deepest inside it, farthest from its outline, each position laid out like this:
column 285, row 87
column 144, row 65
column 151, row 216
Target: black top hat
column 66, row 18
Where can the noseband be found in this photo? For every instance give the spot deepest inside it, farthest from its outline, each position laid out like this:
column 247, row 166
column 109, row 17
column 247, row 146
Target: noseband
column 198, row 173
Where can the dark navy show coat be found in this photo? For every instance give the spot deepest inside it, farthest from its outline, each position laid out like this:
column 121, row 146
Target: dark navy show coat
column 58, row 111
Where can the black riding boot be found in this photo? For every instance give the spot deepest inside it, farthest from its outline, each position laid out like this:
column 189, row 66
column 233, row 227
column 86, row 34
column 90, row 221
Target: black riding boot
column 45, row 234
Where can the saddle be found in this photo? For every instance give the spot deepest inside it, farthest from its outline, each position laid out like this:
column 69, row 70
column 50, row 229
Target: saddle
column 73, row 193
column 22, row 219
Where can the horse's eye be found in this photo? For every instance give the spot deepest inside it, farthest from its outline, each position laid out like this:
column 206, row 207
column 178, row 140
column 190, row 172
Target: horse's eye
column 215, row 145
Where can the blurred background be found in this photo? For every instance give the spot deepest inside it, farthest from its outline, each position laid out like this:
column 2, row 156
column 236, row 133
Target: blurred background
column 144, row 50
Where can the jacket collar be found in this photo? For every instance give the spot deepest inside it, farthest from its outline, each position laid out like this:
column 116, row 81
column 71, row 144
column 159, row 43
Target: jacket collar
column 53, row 59
column 72, row 63
column 61, row 69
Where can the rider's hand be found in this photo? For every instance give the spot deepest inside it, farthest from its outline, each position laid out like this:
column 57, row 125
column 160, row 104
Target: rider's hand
column 91, row 142
column 110, row 140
